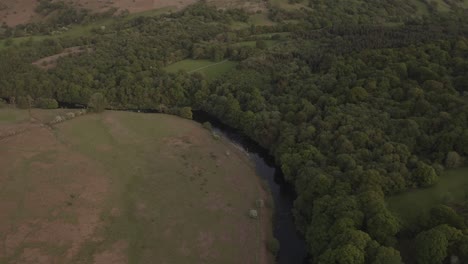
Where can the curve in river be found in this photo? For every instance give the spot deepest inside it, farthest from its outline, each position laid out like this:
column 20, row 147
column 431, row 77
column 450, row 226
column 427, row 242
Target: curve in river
column 292, row 245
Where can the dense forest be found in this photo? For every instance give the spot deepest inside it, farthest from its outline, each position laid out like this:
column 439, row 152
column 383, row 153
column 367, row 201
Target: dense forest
column 353, row 111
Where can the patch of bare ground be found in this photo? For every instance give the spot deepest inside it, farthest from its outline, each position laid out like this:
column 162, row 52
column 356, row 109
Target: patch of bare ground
column 52, row 196
column 115, row 255
column 50, row 62
column 15, row 12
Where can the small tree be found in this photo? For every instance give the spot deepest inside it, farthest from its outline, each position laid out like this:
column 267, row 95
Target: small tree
column 46, row 103
column 273, row 246
column 186, row 112
column 431, row 247
column 97, row 103
column 452, row 160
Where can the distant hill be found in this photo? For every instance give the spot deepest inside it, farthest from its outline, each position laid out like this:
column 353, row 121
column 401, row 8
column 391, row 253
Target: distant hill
column 15, row 12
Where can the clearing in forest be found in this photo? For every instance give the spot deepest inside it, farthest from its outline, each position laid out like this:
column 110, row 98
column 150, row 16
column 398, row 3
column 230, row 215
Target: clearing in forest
column 123, row 187
column 451, row 189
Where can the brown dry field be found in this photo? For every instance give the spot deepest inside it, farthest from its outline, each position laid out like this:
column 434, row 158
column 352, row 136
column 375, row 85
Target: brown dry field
column 123, row 187
column 15, row 12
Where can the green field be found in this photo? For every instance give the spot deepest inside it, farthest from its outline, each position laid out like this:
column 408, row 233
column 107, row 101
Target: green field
column 452, row 187
column 123, row 187
column 210, row 69
column 253, row 43
column 11, row 115
column 86, row 29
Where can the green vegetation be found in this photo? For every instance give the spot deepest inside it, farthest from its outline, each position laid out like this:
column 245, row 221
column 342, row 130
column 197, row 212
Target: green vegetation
column 253, row 44
column 97, row 103
column 141, row 187
column 210, row 69
column 452, row 187
column 261, row 20
column 46, row 103
column 10, row 115
column 357, row 101
column 288, row 4
column 76, row 30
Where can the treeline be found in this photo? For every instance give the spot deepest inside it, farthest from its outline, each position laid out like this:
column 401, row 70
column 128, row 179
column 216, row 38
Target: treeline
column 347, row 133
column 349, row 123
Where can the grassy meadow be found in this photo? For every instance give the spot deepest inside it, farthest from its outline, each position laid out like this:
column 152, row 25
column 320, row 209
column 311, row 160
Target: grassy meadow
column 452, row 187
column 123, row 187
column 85, row 29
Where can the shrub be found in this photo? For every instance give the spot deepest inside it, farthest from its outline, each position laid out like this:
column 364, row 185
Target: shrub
column 97, row 103
column 70, row 115
column 46, row 103
column 216, row 136
column 452, row 160
column 2, row 103
column 273, row 246
column 186, row 112
column 253, row 213
column 207, row 125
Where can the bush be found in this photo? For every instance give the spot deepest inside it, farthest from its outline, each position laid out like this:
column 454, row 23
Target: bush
column 216, row 136
column 46, row 103
column 273, row 246
column 452, row 160
column 207, row 125
column 2, row 103
column 186, row 112
column 97, row 103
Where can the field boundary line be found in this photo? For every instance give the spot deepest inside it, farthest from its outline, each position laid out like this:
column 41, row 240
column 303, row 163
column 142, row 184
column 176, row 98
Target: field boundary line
column 204, row 67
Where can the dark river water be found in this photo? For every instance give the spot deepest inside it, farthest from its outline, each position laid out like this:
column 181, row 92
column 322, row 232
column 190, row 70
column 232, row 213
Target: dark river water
column 292, row 245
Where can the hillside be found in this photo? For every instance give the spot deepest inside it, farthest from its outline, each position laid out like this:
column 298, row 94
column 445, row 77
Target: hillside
column 16, row 12
column 123, row 187
column 361, row 104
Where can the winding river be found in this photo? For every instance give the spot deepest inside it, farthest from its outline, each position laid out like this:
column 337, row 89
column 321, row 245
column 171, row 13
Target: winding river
column 292, row 245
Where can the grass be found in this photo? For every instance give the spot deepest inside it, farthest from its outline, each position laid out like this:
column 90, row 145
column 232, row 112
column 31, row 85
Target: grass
column 261, row 20
column 10, row 115
column 269, row 43
column 211, row 70
column 86, row 29
column 442, row 6
column 421, row 7
column 452, row 187
column 142, row 188
column 284, row 4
